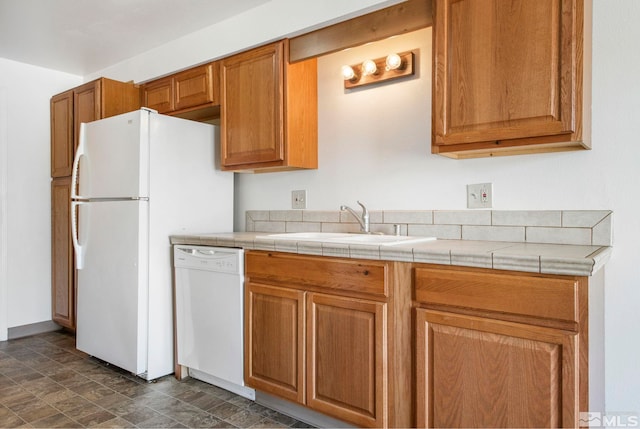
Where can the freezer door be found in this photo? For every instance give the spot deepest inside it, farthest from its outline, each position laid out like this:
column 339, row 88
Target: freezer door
column 112, row 159
column 112, row 313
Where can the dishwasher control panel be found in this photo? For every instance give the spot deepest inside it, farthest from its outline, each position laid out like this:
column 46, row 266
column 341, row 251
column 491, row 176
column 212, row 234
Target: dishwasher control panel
column 219, row 259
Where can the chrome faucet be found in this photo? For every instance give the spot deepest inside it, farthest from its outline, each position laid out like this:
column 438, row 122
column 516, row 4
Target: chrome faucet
column 362, row 220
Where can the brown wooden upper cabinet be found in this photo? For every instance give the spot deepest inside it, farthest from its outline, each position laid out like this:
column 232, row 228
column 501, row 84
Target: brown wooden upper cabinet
column 508, row 77
column 158, row 95
column 62, row 142
column 192, row 93
column 97, row 99
column 269, row 110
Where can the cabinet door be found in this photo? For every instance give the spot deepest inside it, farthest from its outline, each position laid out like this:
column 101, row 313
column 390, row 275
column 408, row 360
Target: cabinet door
column 62, row 134
column 158, row 95
column 195, row 87
column 274, row 341
column 506, row 70
column 477, row 372
column 86, row 105
column 62, row 266
column 252, row 106
column 346, row 359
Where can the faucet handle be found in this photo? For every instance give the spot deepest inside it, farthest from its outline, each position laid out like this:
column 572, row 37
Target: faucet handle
column 365, row 212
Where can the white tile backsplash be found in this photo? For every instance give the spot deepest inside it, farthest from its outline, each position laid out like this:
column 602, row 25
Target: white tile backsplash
column 520, row 217
column 577, row 227
column 493, row 233
column 320, row 216
column 286, row 215
column 602, row 232
column 462, row 217
column 579, row 236
column 303, row 226
column 443, row 232
column 583, row 218
column 269, row 226
column 407, row 216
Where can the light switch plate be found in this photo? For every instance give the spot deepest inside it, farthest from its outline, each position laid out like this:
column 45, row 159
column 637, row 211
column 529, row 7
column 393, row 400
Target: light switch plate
column 299, row 199
column 480, row 196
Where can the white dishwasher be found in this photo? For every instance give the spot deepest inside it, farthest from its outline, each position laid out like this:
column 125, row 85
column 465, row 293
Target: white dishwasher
column 209, row 296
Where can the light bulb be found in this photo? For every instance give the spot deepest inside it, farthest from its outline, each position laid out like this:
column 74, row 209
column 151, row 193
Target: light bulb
column 348, row 73
column 369, row 67
column 393, row 62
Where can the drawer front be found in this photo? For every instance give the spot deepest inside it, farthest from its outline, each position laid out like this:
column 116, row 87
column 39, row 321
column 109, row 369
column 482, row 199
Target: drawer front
column 346, row 275
column 538, row 296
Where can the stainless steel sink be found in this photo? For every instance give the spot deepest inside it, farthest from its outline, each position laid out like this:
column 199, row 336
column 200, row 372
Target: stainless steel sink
column 347, row 238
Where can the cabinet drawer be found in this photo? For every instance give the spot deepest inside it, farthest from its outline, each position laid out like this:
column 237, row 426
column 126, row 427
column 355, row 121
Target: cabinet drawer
column 546, row 297
column 346, row 275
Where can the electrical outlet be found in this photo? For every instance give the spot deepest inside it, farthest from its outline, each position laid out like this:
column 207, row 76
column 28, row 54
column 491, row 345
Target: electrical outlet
column 480, row 196
column 299, row 199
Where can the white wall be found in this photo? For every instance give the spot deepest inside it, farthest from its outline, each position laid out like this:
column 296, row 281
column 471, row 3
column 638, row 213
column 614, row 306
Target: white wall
column 616, row 110
column 27, row 90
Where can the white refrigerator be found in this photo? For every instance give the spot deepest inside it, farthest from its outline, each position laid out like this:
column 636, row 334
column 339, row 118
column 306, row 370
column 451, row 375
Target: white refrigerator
column 140, row 177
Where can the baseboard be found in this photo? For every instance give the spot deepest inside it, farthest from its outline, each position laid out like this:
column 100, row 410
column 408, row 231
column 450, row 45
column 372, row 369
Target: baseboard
column 299, row 412
column 33, row 329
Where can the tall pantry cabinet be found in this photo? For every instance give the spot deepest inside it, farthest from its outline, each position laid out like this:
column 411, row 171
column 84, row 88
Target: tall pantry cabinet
column 94, row 100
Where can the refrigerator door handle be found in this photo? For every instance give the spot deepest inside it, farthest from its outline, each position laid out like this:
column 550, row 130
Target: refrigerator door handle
column 77, row 247
column 80, row 152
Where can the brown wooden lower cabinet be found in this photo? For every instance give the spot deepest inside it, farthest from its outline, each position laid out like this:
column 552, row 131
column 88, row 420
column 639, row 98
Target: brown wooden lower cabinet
column 275, row 340
column 346, row 365
column 331, row 334
column 499, row 349
column 393, row 344
column 62, row 269
column 476, row 372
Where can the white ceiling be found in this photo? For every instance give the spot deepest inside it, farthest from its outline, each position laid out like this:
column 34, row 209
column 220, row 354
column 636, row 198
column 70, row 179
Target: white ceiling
column 84, row 36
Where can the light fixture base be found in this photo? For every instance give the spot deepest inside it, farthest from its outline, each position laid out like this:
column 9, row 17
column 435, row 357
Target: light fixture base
column 382, row 75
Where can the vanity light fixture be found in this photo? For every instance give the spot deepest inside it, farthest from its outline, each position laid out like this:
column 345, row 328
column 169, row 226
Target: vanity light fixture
column 392, row 66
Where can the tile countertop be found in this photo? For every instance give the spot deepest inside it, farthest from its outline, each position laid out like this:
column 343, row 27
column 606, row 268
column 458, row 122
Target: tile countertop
column 530, row 257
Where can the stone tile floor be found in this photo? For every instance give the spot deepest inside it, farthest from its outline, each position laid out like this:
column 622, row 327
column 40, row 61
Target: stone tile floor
column 46, row 382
